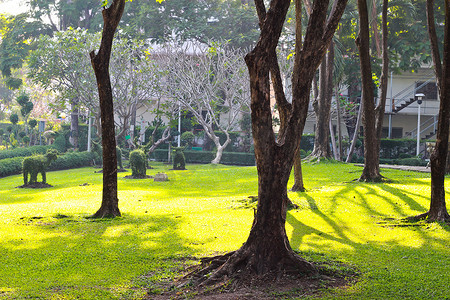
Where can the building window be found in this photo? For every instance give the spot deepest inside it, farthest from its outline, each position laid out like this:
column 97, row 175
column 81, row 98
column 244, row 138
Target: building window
column 428, row 89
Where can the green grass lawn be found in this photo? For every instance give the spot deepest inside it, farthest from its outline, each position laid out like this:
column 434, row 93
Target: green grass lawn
column 49, row 250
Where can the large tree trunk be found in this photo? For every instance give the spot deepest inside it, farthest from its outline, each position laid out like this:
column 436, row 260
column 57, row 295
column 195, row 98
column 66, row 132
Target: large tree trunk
column 100, row 63
column 267, row 250
column 438, row 210
column 371, row 171
column 322, row 108
column 379, row 111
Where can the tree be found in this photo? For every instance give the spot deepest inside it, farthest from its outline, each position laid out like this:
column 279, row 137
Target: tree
column 267, row 250
column 100, row 63
column 17, row 34
column 202, row 21
column 213, row 86
column 371, row 171
column 438, row 210
column 69, row 13
column 322, row 108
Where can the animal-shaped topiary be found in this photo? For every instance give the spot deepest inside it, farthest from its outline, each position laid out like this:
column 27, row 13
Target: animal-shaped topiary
column 138, row 163
column 37, row 164
column 179, row 161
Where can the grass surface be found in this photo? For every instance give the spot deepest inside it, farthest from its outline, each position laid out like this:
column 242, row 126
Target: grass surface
column 49, row 250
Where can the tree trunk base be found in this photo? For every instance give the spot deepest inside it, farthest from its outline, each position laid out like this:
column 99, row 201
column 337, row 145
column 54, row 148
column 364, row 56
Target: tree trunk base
column 107, row 212
column 248, row 265
column 298, row 188
column 375, row 177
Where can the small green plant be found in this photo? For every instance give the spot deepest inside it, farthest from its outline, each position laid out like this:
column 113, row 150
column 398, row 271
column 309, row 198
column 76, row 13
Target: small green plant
column 36, row 164
column 179, row 161
column 187, row 138
column 138, row 163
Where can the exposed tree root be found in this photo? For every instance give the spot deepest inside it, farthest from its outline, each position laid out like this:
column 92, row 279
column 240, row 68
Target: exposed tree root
column 245, row 267
column 443, row 217
column 106, row 212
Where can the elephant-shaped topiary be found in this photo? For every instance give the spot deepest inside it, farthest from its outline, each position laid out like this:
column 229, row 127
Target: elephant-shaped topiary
column 37, row 164
column 179, row 161
column 138, row 163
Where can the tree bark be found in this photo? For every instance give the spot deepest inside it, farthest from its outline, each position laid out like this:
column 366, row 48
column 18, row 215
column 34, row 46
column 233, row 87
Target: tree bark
column 322, row 108
column 379, row 110
column 371, row 171
column 298, row 175
column 100, row 63
column 438, row 210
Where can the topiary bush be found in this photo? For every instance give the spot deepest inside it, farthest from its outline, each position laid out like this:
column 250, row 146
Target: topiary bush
column 187, row 138
column 179, row 161
column 138, row 163
column 37, row 164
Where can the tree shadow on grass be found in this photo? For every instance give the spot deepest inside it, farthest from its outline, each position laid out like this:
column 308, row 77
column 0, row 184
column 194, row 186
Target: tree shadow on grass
column 91, row 259
column 391, row 266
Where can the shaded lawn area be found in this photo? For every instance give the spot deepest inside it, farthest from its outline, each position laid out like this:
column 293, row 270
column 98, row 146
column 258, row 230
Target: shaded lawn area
column 49, row 250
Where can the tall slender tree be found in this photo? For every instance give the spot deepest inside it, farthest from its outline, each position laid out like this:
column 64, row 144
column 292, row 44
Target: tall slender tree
column 438, row 210
column 267, row 250
column 371, row 171
column 100, row 63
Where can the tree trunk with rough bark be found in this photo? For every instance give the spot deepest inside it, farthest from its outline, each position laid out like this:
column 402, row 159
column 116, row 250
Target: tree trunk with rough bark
column 379, row 110
column 267, row 251
column 371, row 171
column 298, row 175
column 322, row 108
column 438, row 210
column 100, row 62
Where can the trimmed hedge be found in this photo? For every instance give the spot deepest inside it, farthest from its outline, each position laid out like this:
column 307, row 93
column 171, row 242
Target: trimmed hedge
column 23, row 152
column 12, row 166
column 205, row 157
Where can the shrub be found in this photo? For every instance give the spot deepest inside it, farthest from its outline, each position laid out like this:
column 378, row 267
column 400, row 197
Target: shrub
column 179, row 161
column 60, row 143
column 73, row 160
column 187, row 138
column 22, row 134
column 138, row 163
column 23, row 152
column 12, row 166
column 205, row 157
column 413, row 161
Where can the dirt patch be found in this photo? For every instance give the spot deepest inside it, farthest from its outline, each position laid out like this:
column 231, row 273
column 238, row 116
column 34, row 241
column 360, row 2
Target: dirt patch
column 255, row 288
column 36, row 185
